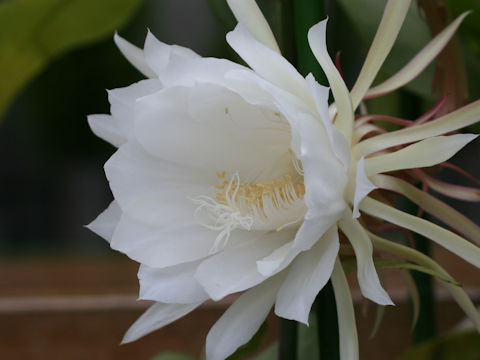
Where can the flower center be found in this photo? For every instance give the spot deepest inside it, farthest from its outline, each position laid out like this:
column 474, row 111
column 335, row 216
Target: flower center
column 263, row 205
column 260, row 200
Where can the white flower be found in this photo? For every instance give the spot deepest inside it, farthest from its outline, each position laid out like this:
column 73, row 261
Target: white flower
column 230, row 179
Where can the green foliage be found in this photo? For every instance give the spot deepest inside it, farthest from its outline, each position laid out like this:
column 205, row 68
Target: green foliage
column 35, row 32
column 173, row 356
column 465, row 346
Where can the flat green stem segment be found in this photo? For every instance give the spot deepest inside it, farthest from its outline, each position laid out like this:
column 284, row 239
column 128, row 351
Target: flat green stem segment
column 287, row 346
column 425, row 328
column 326, row 309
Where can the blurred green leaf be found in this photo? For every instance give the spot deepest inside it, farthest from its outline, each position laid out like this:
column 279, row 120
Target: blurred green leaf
column 464, row 346
column 173, row 356
column 35, row 32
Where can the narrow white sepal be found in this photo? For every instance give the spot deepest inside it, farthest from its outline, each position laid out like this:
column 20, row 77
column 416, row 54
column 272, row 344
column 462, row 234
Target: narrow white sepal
column 419, row 62
column 455, row 120
column 317, row 41
column 248, row 12
column 347, row 327
column 363, row 186
column 387, row 32
column 366, row 272
column 424, row 153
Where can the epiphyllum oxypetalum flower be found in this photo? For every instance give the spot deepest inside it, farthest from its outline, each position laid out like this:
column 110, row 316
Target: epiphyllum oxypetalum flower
column 232, row 179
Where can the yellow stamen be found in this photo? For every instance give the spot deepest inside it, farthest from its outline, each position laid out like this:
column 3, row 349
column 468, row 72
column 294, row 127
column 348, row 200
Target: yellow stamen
column 260, row 198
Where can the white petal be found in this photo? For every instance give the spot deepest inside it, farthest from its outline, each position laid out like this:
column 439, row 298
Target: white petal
column 158, row 315
column 317, row 41
column 455, row 120
column 392, row 20
column 347, row 327
column 134, row 55
column 163, row 191
column 419, row 62
column 158, row 54
column 212, row 128
column 175, row 284
column 267, row 63
column 163, row 245
column 105, row 223
column 106, row 127
column 425, row 153
column 242, row 320
column 363, row 186
column 122, row 103
column 248, row 12
column 234, row 269
column 366, row 272
column 307, row 275
column 339, row 143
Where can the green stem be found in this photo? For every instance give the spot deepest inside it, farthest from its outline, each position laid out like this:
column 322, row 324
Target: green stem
column 425, row 328
column 289, row 44
column 306, row 14
column 287, row 346
column 328, row 337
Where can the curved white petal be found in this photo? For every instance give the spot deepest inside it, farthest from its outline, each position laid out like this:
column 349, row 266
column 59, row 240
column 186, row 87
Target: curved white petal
column 267, row 63
column 455, row 120
column 347, row 327
column 242, row 320
column 210, row 128
column 363, row 186
column 158, row 54
column 392, row 20
column 339, row 143
column 441, row 236
column 122, row 103
column 307, row 275
column 234, row 269
column 248, row 12
column 424, row 153
column 175, row 284
column 134, row 55
column 157, row 316
column 317, row 41
column 163, row 191
column 105, row 223
column 163, row 245
column 419, row 62
column 366, row 272
column 106, row 128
